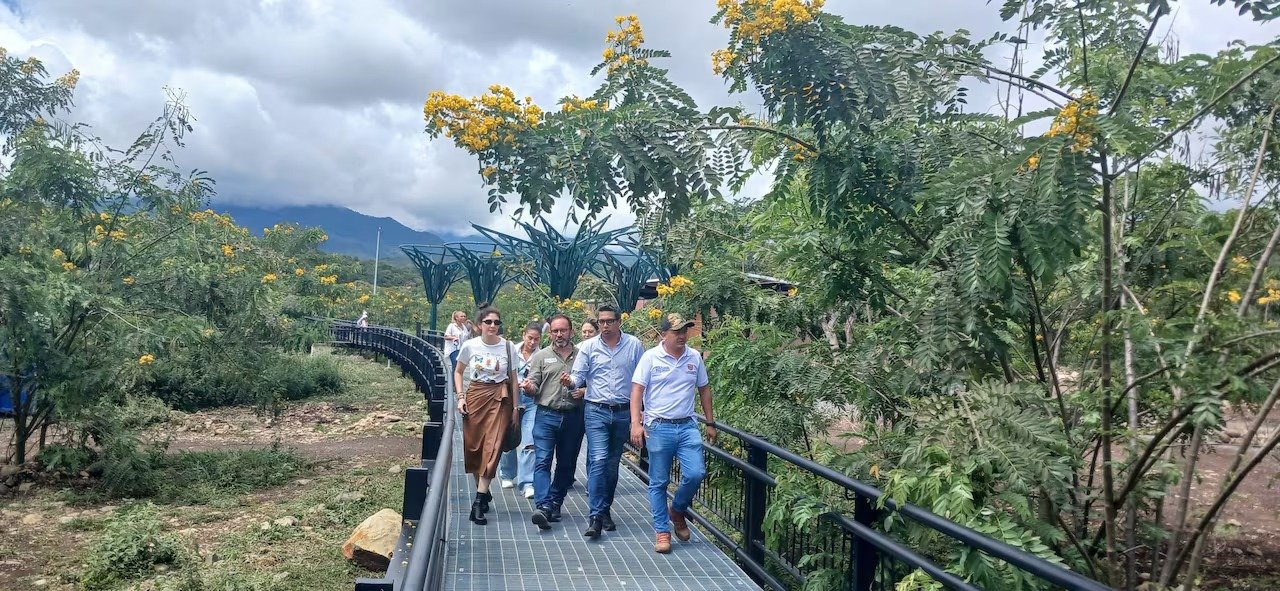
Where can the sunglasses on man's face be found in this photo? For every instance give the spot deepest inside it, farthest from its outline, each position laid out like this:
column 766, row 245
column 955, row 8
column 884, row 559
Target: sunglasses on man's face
column 492, row 322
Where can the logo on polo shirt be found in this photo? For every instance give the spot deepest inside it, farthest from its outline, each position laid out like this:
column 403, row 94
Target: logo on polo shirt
column 689, row 367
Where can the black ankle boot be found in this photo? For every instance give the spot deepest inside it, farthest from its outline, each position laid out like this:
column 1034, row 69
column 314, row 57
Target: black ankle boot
column 484, row 498
column 477, row 512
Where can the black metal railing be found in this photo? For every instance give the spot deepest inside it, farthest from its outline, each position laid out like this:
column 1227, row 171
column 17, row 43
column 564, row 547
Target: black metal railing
column 852, row 549
column 418, row 560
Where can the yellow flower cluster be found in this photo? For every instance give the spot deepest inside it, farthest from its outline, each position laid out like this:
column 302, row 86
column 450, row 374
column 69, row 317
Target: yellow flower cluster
column 655, row 313
column 572, row 304
column 269, row 277
column 572, row 103
column 69, row 79
column 1033, row 162
column 299, row 271
column 228, row 251
column 208, row 332
column 1233, row 296
column 236, row 270
column 481, row 122
column 58, row 254
column 320, row 268
column 129, row 280
column 1239, row 264
column 676, row 285
column 791, row 293
column 756, row 19
column 364, row 298
column 624, row 44
column 209, row 214
column 146, row 359
column 722, row 60
column 1273, row 293
column 1076, row 120
column 329, row 280
column 68, row 266
column 29, row 66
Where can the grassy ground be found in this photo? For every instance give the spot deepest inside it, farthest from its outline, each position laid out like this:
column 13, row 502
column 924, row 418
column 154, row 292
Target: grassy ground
column 254, row 505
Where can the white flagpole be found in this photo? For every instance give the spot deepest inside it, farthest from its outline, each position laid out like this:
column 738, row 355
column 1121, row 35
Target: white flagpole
column 376, row 251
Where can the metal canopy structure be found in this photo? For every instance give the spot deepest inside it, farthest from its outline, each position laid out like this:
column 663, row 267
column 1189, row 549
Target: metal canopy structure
column 626, row 266
column 558, row 260
column 440, row 269
column 488, row 267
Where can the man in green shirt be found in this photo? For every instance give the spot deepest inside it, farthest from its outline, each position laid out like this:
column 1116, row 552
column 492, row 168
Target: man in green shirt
column 558, row 423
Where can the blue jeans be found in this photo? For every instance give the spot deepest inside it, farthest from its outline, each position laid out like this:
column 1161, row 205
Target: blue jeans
column 517, row 464
column 556, row 435
column 607, row 431
column 667, row 442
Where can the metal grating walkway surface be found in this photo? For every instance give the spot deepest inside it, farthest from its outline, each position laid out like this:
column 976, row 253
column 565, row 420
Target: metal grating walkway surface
column 511, row 553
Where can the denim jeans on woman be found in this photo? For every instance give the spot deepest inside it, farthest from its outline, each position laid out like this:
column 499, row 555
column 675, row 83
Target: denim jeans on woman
column 517, row 464
column 666, row 443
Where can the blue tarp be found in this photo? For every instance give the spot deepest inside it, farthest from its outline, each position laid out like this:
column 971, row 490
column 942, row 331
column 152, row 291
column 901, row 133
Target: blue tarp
column 6, row 395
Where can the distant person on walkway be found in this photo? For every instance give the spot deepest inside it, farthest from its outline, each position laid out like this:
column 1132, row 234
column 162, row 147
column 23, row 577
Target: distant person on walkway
column 558, row 428
column 487, row 405
column 363, row 321
column 590, row 328
column 455, row 334
column 664, row 385
column 516, row 467
column 604, row 366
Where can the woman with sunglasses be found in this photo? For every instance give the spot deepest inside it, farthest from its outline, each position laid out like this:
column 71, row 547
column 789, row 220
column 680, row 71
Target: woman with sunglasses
column 486, row 405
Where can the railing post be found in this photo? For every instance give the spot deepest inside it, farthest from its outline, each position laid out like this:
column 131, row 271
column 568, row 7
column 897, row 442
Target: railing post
column 865, row 555
column 755, row 493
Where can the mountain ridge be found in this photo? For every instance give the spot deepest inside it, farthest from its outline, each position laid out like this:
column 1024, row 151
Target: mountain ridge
column 350, row 232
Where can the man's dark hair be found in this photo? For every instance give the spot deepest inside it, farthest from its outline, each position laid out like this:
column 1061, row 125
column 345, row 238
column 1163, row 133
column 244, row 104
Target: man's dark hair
column 607, row 308
column 555, row 317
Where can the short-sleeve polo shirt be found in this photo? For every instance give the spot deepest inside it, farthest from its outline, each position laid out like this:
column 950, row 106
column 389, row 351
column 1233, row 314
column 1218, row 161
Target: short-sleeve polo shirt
column 670, row 383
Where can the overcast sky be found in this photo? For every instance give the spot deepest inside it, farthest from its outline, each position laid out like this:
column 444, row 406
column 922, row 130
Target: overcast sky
column 320, row 101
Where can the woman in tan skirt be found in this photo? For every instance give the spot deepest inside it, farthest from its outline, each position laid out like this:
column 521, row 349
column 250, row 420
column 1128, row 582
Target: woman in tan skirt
column 486, row 405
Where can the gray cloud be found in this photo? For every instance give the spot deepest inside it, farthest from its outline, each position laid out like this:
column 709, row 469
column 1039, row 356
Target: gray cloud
column 319, row 102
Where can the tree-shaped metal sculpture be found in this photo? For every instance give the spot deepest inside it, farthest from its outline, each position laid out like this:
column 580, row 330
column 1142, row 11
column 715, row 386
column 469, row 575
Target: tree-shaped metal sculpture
column 559, row 260
column 440, row 269
column 488, row 267
column 626, row 267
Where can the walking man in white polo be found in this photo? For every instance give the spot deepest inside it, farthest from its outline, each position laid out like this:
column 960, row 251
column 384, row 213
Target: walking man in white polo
column 666, row 381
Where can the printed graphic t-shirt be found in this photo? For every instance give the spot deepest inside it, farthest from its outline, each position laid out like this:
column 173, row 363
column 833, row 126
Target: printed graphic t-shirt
column 485, row 363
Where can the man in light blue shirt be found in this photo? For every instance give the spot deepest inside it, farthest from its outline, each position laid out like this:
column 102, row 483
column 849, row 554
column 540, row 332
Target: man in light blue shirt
column 664, row 385
column 604, row 366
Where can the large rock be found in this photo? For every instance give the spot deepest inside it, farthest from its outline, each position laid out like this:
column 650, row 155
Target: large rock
column 372, row 543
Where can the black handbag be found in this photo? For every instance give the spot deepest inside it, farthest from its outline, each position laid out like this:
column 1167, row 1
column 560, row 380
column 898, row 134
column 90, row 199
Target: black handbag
column 511, row 439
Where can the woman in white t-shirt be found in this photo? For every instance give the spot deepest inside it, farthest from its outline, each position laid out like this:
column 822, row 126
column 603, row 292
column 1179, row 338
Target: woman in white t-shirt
column 455, row 334
column 487, row 407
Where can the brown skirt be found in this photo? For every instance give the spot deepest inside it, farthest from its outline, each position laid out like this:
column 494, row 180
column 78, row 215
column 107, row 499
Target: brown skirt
column 489, row 408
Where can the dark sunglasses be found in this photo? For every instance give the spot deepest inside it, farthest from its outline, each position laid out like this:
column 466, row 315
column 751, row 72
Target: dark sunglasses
column 608, row 320
column 492, row 322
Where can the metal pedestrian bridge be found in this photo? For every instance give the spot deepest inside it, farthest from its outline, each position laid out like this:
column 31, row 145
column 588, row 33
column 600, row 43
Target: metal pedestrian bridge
column 850, row 548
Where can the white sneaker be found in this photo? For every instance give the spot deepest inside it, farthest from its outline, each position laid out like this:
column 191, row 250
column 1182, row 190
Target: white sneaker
column 508, row 484
column 528, row 491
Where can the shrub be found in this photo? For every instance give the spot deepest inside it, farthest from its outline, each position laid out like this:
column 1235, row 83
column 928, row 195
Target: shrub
column 209, row 377
column 206, row 378
column 133, row 543
column 296, row 379
column 201, row 476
